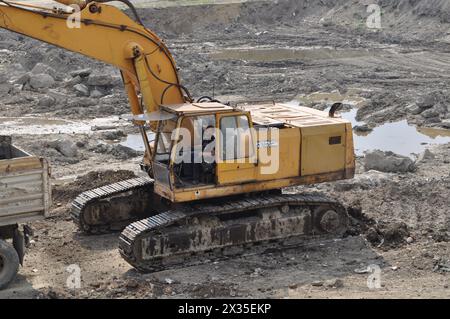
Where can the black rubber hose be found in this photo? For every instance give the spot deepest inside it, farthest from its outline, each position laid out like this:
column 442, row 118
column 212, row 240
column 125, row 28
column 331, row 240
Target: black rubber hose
column 210, row 99
column 168, row 83
column 128, row 4
column 199, row 100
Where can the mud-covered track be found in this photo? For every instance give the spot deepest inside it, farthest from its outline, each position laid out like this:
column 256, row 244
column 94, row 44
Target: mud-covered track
column 228, row 229
column 112, row 207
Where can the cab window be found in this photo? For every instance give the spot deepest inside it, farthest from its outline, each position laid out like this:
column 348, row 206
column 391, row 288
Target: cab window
column 164, row 141
column 236, row 138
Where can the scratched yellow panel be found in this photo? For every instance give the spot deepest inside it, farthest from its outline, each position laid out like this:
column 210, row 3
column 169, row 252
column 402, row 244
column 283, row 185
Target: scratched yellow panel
column 318, row 156
column 287, row 162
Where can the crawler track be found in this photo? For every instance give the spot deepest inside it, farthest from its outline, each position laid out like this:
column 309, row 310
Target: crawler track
column 111, row 208
column 200, row 233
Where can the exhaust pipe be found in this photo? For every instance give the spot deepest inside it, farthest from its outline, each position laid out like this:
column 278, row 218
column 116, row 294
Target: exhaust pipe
column 335, row 107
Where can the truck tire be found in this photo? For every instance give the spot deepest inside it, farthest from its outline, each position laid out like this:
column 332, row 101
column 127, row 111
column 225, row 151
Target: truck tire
column 9, row 264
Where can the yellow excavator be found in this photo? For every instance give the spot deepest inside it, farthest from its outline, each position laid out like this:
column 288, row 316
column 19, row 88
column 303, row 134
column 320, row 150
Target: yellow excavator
column 215, row 172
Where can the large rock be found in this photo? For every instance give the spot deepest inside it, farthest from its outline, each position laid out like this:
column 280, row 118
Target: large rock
column 388, row 162
column 46, row 101
column 430, row 113
column 73, row 81
column 96, row 94
column 81, row 73
column 42, row 68
column 65, row 147
column 41, row 81
column 414, row 109
column 98, row 79
column 81, row 89
column 427, row 101
column 425, row 156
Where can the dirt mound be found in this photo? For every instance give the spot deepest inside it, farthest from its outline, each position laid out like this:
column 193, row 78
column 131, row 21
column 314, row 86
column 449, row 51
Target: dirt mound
column 388, row 235
column 398, row 15
column 66, row 193
column 190, row 19
column 381, row 234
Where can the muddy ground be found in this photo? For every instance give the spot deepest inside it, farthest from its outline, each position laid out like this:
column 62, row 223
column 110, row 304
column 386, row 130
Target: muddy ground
column 264, row 50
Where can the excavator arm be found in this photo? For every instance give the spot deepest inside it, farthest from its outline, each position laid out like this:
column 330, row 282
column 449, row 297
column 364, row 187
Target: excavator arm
column 103, row 32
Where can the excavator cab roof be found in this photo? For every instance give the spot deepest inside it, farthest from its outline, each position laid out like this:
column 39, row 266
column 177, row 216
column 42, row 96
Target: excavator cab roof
column 197, row 108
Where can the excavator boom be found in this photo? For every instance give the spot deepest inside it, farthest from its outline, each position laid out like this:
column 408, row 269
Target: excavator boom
column 105, row 33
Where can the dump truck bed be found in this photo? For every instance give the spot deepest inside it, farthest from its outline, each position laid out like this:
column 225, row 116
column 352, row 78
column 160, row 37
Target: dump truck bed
column 25, row 193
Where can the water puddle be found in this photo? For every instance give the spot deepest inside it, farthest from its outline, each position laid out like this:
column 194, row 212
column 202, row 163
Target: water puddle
column 42, row 126
column 283, row 54
column 398, row 137
column 135, row 141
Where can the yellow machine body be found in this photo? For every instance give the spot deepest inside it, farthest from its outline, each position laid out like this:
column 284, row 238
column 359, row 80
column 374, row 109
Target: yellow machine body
column 306, row 146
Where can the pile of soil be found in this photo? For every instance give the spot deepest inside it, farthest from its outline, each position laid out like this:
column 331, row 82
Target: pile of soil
column 64, row 194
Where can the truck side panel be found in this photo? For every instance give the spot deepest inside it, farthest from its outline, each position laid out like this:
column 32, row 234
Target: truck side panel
column 24, row 189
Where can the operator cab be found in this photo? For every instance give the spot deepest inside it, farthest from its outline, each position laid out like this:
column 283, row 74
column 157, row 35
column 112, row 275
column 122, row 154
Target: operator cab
column 196, row 141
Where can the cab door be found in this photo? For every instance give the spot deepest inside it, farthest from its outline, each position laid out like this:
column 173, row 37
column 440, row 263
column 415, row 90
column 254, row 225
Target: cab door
column 162, row 153
column 236, row 154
